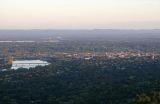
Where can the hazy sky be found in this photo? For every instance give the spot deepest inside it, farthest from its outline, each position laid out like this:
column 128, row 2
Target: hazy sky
column 79, row 14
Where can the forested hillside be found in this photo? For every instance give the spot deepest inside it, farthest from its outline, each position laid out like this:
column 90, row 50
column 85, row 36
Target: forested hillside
column 96, row 81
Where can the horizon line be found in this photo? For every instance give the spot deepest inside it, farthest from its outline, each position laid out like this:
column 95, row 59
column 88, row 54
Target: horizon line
column 82, row 29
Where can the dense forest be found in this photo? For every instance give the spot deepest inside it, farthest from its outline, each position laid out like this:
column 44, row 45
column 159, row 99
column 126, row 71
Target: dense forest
column 96, row 81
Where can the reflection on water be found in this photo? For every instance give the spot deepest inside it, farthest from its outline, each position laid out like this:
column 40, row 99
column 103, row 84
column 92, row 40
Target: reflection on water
column 28, row 64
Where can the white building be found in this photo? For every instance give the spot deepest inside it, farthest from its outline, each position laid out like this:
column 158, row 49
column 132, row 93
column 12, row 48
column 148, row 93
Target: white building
column 28, row 64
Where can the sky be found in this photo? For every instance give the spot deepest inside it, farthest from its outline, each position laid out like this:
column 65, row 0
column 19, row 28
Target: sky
column 79, row 14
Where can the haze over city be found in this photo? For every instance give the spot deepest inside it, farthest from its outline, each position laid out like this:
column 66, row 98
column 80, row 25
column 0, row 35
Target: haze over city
column 79, row 14
column 79, row 51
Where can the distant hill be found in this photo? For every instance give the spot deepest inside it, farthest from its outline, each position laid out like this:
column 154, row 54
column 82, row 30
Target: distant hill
column 109, row 34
